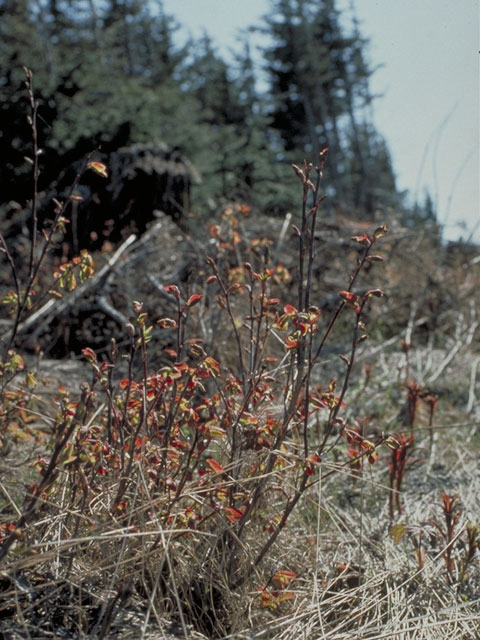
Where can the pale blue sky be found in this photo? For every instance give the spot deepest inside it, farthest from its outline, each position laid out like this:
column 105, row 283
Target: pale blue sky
column 429, row 111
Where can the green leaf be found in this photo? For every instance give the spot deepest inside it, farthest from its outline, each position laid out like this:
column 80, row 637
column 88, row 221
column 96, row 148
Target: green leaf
column 397, row 532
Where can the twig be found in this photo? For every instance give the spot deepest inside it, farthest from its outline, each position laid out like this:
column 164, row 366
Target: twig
column 281, row 236
column 159, row 288
column 446, row 361
column 62, row 305
column 108, row 310
column 471, row 389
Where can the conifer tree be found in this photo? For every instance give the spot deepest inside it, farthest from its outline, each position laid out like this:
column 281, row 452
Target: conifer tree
column 319, row 90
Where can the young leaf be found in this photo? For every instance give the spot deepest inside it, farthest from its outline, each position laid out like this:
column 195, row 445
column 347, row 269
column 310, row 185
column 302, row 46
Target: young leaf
column 194, row 299
column 283, row 578
column 99, row 168
column 378, row 293
column 173, row 289
column 212, row 365
column 167, row 323
column 290, row 310
column 214, row 465
column 215, row 431
column 348, row 296
column 233, row 514
column 363, row 239
column 380, row 232
column 89, row 354
column 397, row 532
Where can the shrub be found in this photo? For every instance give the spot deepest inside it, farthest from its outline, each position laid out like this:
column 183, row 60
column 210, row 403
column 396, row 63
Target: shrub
column 176, row 483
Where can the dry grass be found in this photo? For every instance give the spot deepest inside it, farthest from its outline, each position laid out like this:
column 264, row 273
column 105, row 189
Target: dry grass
column 165, row 565
column 147, row 580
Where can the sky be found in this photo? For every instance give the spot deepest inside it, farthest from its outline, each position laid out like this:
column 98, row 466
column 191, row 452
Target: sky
column 426, row 56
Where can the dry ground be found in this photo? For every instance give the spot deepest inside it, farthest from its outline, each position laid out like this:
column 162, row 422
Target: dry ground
column 353, row 578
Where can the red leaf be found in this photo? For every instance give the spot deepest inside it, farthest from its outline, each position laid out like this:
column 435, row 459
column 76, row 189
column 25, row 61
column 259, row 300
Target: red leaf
column 234, row 514
column 167, row 323
column 283, row 577
column 99, row 168
column 282, row 323
column 272, row 301
column 291, row 342
column 194, row 299
column 89, row 354
column 348, row 296
column 290, row 310
column 173, row 289
column 214, row 465
column 363, row 239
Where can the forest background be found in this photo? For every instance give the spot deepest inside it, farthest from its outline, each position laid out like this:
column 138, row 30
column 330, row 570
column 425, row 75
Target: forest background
column 112, row 73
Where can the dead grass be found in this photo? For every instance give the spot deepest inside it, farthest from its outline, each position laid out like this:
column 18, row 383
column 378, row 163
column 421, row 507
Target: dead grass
column 83, row 569
column 353, row 580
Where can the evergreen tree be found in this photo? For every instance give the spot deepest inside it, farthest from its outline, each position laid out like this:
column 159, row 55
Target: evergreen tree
column 20, row 45
column 109, row 73
column 267, row 180
column 98, row 69
column 238, row 162
column 319, row 84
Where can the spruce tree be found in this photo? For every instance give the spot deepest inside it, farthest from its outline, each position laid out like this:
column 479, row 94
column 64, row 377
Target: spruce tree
column 318, row 78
